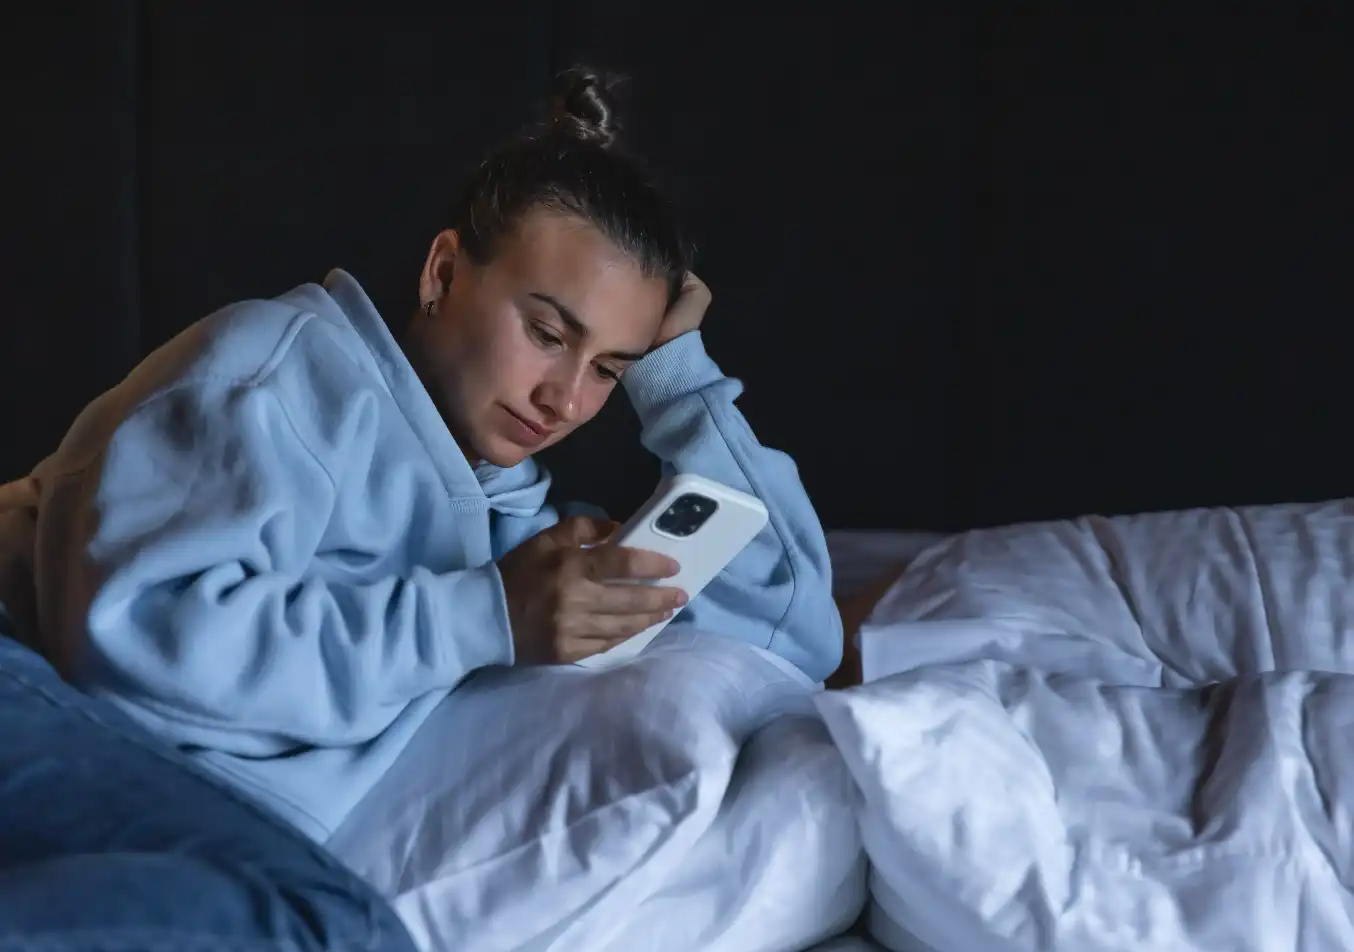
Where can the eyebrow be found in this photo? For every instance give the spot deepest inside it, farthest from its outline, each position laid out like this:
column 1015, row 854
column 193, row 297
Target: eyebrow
column 578, row 327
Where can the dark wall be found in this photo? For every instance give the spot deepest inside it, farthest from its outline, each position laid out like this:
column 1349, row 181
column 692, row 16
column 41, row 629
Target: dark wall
column 974, row 268
column 1165, row 262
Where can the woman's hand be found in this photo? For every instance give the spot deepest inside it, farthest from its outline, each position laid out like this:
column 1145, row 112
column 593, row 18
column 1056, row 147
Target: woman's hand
column 566, row 602
column 686, row 312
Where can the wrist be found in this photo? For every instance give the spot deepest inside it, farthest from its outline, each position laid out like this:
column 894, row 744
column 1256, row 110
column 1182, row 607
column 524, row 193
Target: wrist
column 671, row 335
column 672, row 370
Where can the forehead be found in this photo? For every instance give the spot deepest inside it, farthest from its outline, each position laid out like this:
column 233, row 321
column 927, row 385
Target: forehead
column 569, row 260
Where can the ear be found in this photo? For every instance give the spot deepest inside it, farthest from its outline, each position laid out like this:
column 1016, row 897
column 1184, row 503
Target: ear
column 440, row 267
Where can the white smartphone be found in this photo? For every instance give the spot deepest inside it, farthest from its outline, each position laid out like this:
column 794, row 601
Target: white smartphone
column 699, row 523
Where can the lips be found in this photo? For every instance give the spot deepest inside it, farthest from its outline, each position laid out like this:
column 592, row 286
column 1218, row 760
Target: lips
column 522, row 431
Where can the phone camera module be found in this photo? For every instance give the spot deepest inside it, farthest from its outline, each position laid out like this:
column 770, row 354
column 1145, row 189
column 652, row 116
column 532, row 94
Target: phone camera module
column 686, row 515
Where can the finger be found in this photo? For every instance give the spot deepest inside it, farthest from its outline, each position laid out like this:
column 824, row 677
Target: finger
column 606, row 531
column 612, row 627
column 602, row 599
column 691, row 284
column 618, row 562
column 580, row 530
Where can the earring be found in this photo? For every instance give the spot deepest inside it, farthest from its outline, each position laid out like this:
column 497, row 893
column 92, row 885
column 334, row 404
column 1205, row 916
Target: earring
column 428, row 309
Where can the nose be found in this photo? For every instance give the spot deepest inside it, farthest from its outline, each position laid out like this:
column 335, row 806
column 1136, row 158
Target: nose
column 560, row 398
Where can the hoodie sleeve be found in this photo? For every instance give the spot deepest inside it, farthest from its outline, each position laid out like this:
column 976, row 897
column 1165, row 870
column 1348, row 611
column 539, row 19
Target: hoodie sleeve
column 202, row 594
column 778, row 592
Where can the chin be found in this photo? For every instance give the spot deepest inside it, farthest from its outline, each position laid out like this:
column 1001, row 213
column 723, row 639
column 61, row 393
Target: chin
column 500, row 452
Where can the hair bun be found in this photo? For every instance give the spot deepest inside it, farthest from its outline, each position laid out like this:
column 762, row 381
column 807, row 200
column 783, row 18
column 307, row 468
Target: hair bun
column 582, row 106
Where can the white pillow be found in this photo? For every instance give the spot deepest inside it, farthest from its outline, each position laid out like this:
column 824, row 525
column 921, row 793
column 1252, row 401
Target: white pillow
column 781, row 868
column 536, row 807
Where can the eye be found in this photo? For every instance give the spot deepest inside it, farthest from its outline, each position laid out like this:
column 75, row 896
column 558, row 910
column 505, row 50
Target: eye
column 545, row 335
column 608, row 373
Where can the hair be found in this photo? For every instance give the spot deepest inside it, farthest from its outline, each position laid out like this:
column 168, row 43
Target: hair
column 575, row 164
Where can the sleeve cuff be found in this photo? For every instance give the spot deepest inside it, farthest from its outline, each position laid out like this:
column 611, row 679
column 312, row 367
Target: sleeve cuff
column 677, row 369
column 476, row 620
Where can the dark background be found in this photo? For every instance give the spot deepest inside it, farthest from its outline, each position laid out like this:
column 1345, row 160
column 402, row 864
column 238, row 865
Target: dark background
column 974, row 267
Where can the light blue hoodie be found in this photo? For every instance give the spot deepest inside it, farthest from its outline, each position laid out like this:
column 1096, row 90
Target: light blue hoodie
column 265, row 544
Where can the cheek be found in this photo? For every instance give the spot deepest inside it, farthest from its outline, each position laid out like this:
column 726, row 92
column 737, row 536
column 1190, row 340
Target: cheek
column 481, row 337
column 485, row 340
column 510, row 360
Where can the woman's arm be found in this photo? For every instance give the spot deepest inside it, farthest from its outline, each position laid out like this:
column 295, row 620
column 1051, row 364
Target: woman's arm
column 778, row 592
column 191, row 560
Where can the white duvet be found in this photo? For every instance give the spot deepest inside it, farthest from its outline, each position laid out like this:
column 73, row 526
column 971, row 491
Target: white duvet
column 1113, row 734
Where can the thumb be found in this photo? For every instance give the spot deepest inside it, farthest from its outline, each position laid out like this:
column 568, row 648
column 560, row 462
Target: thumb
column 577, row 531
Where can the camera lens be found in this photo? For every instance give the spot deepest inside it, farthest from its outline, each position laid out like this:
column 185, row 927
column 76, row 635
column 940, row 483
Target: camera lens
column 686, row 515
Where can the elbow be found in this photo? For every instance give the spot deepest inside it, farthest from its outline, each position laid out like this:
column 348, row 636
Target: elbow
column 815, row 646
column 828, row 656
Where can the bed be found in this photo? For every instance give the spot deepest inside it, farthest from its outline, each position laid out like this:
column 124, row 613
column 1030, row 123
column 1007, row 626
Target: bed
column 1093, row 734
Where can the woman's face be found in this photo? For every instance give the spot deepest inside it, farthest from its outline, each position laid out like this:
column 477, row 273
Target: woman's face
column 520, row 351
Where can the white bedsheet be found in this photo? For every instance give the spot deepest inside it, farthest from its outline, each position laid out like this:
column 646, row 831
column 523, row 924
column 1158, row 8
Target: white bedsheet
column 1114, row 734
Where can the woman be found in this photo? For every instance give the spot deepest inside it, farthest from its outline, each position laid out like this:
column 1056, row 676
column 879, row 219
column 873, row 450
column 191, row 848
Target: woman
column 284, row 537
